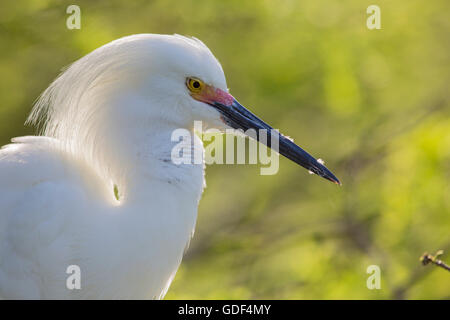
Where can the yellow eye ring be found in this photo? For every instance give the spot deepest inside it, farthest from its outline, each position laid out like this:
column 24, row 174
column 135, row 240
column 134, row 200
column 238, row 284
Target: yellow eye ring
column 194, row 85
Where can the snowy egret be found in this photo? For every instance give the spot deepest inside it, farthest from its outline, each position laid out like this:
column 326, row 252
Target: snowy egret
column 98, row 190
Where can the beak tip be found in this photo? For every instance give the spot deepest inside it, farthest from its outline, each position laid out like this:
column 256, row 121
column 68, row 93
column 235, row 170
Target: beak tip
column 334, row 180
column 331, row 177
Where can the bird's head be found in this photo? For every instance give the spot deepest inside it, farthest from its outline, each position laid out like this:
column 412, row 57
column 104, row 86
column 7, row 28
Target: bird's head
column 195, row 80
column 146, row 80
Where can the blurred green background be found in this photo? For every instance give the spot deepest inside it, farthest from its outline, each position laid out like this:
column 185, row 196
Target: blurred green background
column 373, row 103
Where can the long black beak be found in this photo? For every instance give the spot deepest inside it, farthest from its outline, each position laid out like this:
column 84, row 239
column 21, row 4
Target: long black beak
column 238, row 117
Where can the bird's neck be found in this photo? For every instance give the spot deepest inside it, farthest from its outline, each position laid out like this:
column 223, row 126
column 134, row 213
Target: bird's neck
column 149, row 163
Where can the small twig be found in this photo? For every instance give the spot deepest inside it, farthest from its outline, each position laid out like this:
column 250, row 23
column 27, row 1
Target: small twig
column 428, row 258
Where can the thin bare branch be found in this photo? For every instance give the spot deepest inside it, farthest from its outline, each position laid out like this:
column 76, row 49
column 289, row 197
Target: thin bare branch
column 428, row 258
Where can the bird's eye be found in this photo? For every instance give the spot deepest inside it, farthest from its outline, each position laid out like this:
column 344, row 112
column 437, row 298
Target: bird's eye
column 194, row 85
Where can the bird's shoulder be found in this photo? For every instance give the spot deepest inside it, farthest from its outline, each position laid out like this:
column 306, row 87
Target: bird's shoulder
column 38, row 185
column 28, row 161
column 35, row 175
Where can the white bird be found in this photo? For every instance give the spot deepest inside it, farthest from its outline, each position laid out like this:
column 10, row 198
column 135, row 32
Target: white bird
column 106, row 126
